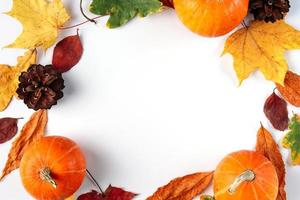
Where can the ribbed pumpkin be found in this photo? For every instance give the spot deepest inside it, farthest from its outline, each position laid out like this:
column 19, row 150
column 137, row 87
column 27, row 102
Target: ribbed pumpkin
column 211, row 18
column 52, row 168
column 245, row 175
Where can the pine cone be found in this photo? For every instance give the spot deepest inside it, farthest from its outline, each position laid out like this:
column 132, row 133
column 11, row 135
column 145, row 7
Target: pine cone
column 40, row 87
column 269, row 10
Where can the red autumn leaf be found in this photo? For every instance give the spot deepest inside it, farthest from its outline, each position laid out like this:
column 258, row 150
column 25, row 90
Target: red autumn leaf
column 93, row 195
column 111, row 193
column 114, row 193
column 8, row 129
column 67, row 53
column 275, row 109
column 168, row 3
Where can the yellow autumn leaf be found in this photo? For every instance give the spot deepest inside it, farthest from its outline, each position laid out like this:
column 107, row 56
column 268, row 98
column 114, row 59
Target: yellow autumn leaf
column 9, row 77
column 262, row 46
column 40, row 19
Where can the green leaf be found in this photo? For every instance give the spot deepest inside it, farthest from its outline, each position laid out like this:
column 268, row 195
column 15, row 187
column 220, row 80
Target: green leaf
column 292, row 140
column 122, row 11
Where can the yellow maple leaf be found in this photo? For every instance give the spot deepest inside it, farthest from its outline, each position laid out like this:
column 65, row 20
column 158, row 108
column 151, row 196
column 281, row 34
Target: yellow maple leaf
column 9, row 77
column 40, row 19
column 262, row 46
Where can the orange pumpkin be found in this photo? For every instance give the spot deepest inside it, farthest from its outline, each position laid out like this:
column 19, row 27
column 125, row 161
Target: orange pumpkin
column 211, row 18
column 245, row 175
column 52, row 168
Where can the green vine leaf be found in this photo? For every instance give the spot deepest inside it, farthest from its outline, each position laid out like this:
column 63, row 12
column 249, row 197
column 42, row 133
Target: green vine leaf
column 122, row 11
column 292, row 140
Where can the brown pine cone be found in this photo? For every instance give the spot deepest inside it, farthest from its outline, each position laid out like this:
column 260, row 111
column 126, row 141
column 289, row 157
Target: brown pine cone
column 269, row 10
column 40, row 87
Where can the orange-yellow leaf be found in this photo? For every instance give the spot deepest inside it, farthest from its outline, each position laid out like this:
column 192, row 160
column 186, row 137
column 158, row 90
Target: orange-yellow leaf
column 33, row 130
column 267, row 146
column 184, row 188
column 262, row 46
column 9, row 77
column 291, row 89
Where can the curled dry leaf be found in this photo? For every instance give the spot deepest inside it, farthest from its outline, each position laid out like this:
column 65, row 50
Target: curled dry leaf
column 262, row 46
column 111, row 193
column 267, row 146
column 67, row 53
column 9, row 77
column 291, row 89
column 33, row 130
column 291, row 140
column 275, row 109
column 8, row 128
column 186, row 187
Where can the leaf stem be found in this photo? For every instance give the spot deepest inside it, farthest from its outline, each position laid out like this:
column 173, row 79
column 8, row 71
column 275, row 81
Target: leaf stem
column 93, row 180
column 76, row 25
column 85, row 16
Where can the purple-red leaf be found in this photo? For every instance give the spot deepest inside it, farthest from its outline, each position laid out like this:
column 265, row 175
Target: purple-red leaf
column 67, row 53
column 93, row 195
column 111, row 193
column 275, row 109
column 168, row 3
column 8, row 129
column 114, row 193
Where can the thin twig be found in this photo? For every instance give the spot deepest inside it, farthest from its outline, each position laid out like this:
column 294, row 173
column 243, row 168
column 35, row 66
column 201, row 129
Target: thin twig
column 85, row 16
column 93, row 180
column 76, row 25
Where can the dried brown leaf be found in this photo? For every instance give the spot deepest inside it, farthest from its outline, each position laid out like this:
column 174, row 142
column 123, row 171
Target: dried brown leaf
column 33, row 130
column 184, row 188
column 267, row 146
column 291, row 89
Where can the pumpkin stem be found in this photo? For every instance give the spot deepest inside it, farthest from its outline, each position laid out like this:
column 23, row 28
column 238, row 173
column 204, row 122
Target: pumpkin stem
column 247, row 175
column 45, row 175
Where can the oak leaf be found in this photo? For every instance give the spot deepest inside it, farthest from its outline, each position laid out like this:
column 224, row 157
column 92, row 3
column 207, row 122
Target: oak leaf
column 291, row 89
column 41, row 20
column 9, row 77
column 292, row 140
column 33, row 130
column 266, row 145
column 262, row 46
column 8, row 128
column 121, row 11
column 275, row 109
column 186, row 187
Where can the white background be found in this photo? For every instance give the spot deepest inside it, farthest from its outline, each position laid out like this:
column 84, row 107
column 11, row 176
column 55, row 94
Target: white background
column 149, row 102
